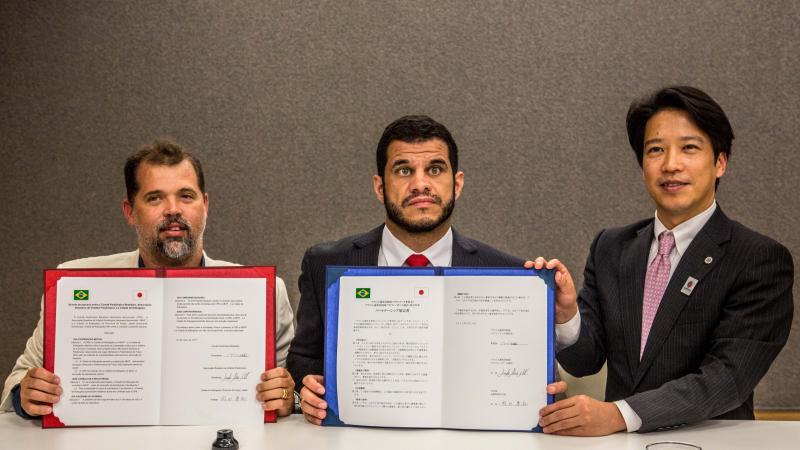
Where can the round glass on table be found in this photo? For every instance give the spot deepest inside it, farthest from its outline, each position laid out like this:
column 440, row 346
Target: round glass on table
column 672, row 445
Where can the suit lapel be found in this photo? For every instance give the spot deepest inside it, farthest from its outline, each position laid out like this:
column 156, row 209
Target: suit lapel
column 462, row 251
column 365, row 248
column 707, row 243
column 633, row 268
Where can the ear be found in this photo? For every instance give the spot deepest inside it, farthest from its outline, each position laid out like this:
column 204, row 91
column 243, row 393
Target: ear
column 722, row 164
column 459, row 183
column 205, row 202
column 377, row 187
column 127, row 210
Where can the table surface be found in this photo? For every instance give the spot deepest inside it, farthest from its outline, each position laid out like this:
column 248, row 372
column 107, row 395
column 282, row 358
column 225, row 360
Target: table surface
column 294, row 433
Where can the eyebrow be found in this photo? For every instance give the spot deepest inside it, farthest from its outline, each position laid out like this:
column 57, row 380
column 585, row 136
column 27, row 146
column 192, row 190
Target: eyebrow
column 160, row 192
column 154, row 192
column 682, row 138
column 399, row 162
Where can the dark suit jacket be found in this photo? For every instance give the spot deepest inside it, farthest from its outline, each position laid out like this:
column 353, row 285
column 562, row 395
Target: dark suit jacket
column 706, row 351
column 306, row 352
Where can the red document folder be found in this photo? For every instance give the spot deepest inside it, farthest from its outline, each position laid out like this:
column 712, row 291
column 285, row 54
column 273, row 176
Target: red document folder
column 51, row 277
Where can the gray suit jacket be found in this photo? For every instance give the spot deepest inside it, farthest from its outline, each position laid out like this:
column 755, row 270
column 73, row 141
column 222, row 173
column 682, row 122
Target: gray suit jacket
column 307, row 351
column 707, row 350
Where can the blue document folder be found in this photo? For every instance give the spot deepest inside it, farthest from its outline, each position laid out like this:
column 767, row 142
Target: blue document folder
column 334, row 285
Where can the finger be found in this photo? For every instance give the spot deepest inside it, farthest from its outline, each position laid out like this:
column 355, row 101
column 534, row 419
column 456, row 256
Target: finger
column 277, row 372
column 562, row 273
column 314, row 383
column 312, row 419
column 559, row 387
column 559, row 416
column 555, row 264
column 275, row 383
column 539, row 263
column 308, row 397
column 553, row 407
column 577, row 431
column 528, row 264
column 282, row 393
column 283, row 412
column 41, row 397
column 36, row 384
column 571, row 424
column 34, row 409
column 564, row 282
column 43, row 374
column 271, row 394
column 311, row 410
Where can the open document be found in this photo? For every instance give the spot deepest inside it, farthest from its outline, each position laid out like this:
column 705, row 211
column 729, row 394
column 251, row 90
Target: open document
column 159, row 346
column 464, row 348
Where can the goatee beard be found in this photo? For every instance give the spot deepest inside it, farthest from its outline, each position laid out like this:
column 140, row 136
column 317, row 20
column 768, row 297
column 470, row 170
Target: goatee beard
column 175, row 250
column 395, row 214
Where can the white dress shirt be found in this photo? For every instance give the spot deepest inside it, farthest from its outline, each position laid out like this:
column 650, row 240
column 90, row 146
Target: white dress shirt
column 569, row 332
column 393, row 253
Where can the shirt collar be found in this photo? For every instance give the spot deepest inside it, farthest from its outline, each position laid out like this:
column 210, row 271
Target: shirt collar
column 396, row 252
column 685, row 232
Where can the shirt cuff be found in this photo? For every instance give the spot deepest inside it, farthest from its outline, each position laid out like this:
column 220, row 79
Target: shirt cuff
column 632, row 420
column 567, row 333
column 16, row 399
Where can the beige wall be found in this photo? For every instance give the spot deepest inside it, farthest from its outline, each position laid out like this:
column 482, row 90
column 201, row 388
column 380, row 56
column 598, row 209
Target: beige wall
column 285, row 101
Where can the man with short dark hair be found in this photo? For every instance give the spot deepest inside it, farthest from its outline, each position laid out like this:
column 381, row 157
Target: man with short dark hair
column 418, row 182
column 167, row 205
column 688, row 308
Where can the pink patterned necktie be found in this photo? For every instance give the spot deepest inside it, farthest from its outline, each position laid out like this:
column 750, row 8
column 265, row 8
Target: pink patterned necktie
column 417, row 260
column 655, row 283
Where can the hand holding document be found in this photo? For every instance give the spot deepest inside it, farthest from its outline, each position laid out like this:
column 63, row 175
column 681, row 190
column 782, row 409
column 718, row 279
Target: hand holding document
column 440, row 348
column 159, row 347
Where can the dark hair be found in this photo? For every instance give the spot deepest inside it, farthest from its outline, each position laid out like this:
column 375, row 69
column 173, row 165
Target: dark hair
column 160, row 152
column 413, row 129
column 703, row 110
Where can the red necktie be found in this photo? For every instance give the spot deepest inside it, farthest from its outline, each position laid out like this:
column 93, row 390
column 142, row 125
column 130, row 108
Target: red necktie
column 417, row 260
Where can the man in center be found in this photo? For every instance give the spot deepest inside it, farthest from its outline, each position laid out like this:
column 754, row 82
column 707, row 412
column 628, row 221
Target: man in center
column 418, row 182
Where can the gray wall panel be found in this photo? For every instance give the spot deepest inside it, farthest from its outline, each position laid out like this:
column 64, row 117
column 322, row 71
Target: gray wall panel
column 285, row 101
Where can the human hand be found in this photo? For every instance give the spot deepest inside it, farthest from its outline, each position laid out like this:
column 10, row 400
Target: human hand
column 311, row 401
column 559, row 387
column 39, row 390
column 566, row 296
column 581, row 416
column 276, row 391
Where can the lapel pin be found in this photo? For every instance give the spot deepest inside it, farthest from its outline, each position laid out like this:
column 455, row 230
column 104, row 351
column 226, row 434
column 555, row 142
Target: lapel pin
column 708, row 260
column 688, row 287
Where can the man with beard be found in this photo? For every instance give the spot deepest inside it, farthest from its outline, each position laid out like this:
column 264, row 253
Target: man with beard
column 418, row 182
column 167, row 205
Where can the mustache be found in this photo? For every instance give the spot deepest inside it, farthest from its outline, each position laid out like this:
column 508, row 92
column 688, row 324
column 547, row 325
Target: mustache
column 406, row 201
column 169, row 220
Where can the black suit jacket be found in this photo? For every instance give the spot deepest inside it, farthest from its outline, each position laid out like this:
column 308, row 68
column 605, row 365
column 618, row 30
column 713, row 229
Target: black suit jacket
column 706, row 351
column 307, row 350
